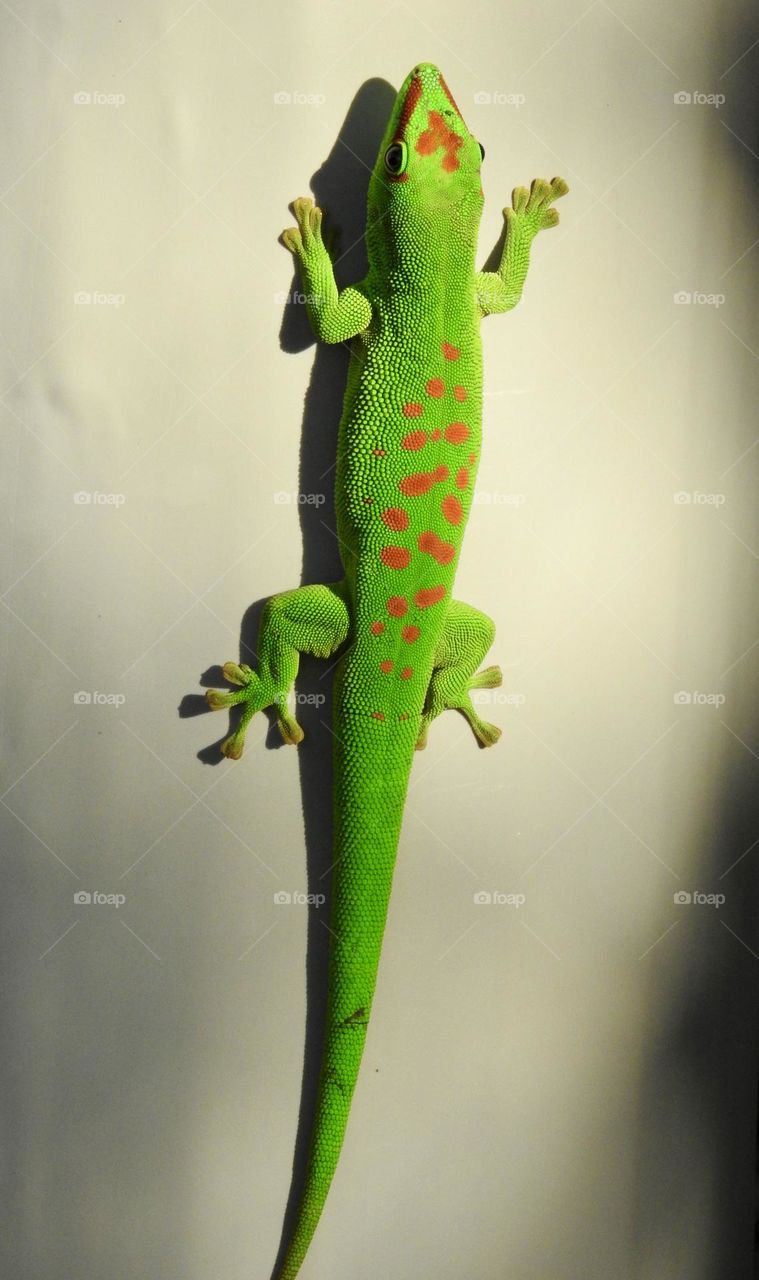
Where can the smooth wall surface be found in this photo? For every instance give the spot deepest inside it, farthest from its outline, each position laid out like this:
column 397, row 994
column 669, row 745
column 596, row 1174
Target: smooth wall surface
column 558, row 1080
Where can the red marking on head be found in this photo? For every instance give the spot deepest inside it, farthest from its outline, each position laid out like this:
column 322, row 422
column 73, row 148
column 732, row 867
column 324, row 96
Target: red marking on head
column 457, row 432
column 377, row 628
column 395, row 518
column 429, row 596
column 460, row 393
column 435, row 388
column 413, row 94
column 378, row 715
column 412, row 410
column 452, row 509
column 395, row 557
column 406, row 673
column 450, row 353
column 472, row 458
column 450, row 98
column 438, row 134
column 397, row 606
column 410, row 634
column 414, row 440
column 462, row 478
column 386, row 667
column 436, row 434
column 379, row 453
column 434, row 546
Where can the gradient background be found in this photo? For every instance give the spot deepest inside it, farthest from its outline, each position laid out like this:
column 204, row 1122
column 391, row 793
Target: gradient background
column 564, row 1088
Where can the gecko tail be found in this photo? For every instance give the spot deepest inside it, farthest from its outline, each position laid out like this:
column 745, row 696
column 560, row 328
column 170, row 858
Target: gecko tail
column 368, row 816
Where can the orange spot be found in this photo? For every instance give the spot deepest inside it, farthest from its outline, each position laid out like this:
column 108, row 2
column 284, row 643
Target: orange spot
column 436, row 434
column 379, row 453
column 406, row 673
column 412, row 410
column 459, row 393
column 462, row 478
column 441, row 472
column 452, row 509
column 472, row 458
column 457, row 433
column 434, row 546
column 378, row 715
column 410, row 634
column 429, row 596
column 386, row 667
column 450, row 353
column 435, row 388
column 377, row 628
column 403, row 715
column 397, row 606
column 437, row 134
column 395, row 557
column 414, row 440
column 395, row 518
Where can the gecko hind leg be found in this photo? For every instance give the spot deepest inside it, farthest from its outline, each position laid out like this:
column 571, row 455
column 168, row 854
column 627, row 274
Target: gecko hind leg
column 467, row 636
column 312, row 619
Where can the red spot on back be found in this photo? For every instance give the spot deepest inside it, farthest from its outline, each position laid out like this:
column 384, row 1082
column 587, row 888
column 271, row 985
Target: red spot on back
column 462, row 478
column 397, row 606
column 406, row 673
column 410, row 634
column 420, row 482
column 395, row 518
column 395, row 557
column 378, row 715
column 377, row 628
column 436, row 434
column 379, row 453
column 412, row 410
column 459, row 393
column 434, row 546
column 435, row 388
column 386, row 667
column 452, row 509
column 457, row 432
column 472, row 458
column 450, row 353
column 429, row 596
column 414, row 440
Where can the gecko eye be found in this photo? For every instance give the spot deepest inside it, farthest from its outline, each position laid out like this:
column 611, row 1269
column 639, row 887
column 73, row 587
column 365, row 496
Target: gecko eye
column 482, row 151
column 396, row 157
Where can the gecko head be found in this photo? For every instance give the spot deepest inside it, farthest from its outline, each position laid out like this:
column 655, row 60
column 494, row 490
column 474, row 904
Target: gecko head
column 427, row 175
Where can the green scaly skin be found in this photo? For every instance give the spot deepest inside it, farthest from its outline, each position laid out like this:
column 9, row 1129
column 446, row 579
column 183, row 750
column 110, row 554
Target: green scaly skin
column 409, row 445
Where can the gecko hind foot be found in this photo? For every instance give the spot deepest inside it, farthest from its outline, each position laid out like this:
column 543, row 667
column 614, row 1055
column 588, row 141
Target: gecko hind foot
column 254, row 696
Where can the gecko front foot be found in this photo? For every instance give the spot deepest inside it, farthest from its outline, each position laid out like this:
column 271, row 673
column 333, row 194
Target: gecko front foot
column 255, row 697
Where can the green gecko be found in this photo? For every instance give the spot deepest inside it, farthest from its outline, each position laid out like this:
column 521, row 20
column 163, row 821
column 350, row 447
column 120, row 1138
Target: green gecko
column 408, row 449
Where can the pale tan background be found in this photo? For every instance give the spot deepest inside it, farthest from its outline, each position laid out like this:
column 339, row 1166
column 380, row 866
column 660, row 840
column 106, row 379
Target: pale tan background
column 560, row 1089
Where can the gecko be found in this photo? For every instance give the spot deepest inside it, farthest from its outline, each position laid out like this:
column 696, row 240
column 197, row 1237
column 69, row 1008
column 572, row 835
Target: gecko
column 408, row 448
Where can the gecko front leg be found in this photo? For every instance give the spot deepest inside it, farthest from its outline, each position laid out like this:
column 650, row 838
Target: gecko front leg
column 335, row 316
column 530, row 212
